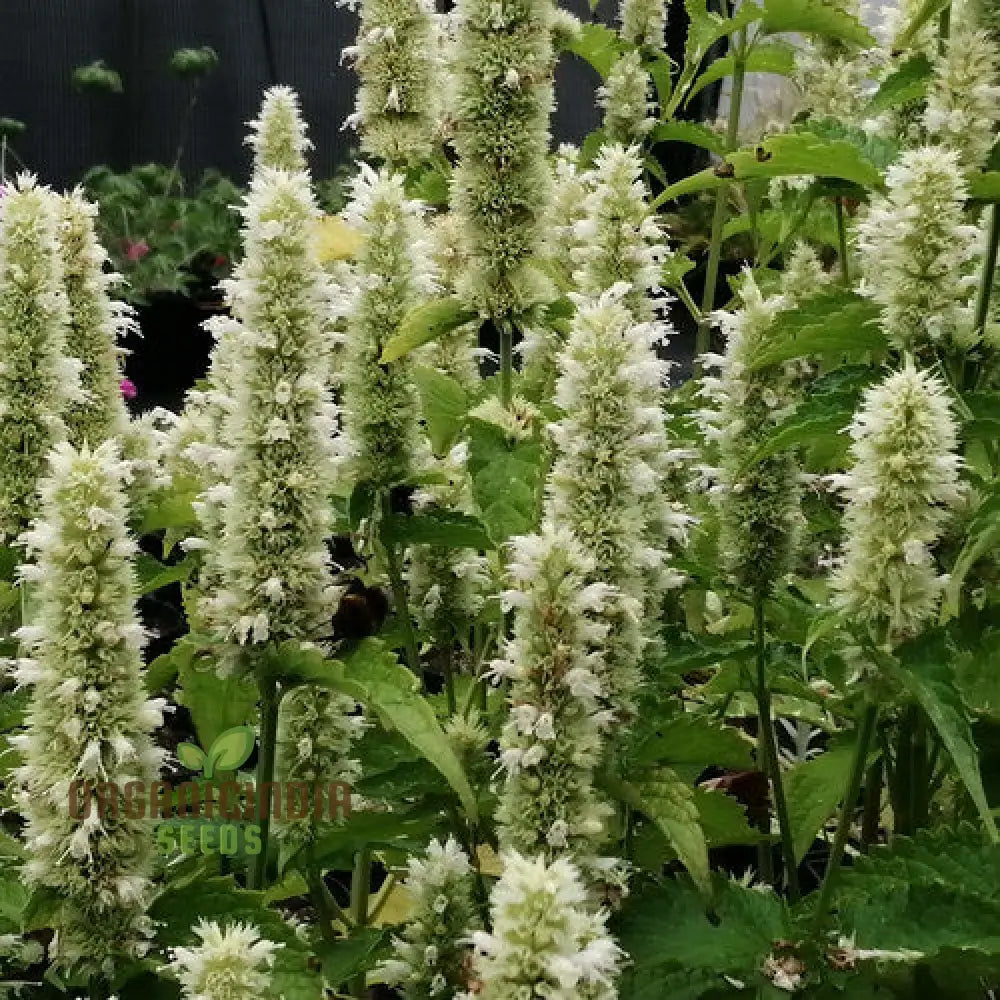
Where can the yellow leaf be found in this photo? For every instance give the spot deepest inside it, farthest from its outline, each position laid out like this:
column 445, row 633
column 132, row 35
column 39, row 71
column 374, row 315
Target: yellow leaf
column 335, row 239
column 396, row 908
column 489, row 863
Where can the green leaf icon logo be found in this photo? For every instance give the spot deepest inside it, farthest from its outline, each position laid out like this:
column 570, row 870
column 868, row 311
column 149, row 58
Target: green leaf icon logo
column 191, row 756
column 230, row 749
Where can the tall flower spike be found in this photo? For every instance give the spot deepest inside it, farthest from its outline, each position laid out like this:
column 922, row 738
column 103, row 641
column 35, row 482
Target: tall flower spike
column 546, row 940
column 278, row 134
column 963, row 100
column 37, row 380
column 551, row 742
column 273, row 562
column 317, row 731
column 757, row 501
column 602, row 479
column 393, row 269
column 619, row 238
column 644, row 22
column 229, row 963
column 95, row 324
column 89, row 720
column 503, row 79
column 917, row 250
column 903, row 480
column 395, row 56
column 429, row 958
column 624, row 96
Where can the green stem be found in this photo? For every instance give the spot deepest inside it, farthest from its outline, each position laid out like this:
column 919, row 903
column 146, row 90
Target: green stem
column 845, row 272
column 685, row 296
column 506, row 365
column 986, row 281
column 772, row 765
column 719, row 215
column 320, row 897
column 399, row 598
column 864, row 738
column 449, row 680
column 873, row 805
column 361, row 879
column 269, row 703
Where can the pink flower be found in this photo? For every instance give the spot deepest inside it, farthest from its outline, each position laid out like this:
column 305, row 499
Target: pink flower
column 136, row 249
column 128, row 389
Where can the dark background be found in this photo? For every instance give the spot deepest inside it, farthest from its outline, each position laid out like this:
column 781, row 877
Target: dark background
column 259, row 42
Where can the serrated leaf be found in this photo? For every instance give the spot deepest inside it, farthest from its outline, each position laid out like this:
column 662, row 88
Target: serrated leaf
column 688, row 744
column 191, row 756
column 908, row 83
column 813, row 17
column 691, row 132
column 230, row 749
column 806, row 153
column 171, row 510
column 343, row 960
column 776, row 58
column 985, row 187
column 443, row 528
column 153, row 575
column 982, row 537
column 215, row 703
column 813, row 790
column 598, row 45
column 669, row 803
column 927, row 671
column 443, row 405
column 425, row 323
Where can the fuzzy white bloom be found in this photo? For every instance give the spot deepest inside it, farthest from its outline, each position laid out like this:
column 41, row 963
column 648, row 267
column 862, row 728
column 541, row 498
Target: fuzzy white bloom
column 604, row 475
column 95, row 324
column 396, row 55
column 37, row 380
column 896, row 16
column 278, row 134
column 803, row 274
column 394, row 273
column 503, row 79
column 551, row 742
column 644, row 22
column 757, row 502
column 567, row 196
column 282, row 425
column 229, row 963
column 619, row 237
column 546, row 941
column 625, row 98
column 89, row 720
column 917, row 250
column 902, row 483
column 429, row 957
column 963, row 100
column 834, row 82
column 317, row 731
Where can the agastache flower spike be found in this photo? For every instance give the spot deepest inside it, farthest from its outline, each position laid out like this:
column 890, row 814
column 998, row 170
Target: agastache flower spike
column 229, row 963
column 393, row 270
column 551, row 742
column 503, row 79
column 900, row 489
column 430, row 956
column 395, row 56
column 918, row 251
column 273, row 562
column 546, row 940
column 644, row 22
column 278, row 134
column 96, row 322
column 37, row 380
column 624, row 96
column 89, row 720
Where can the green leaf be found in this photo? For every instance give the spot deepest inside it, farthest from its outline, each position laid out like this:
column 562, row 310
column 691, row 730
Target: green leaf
column 688, row 744
column 813, row 790
column 230, row 749
column 349, row 957
column 164, row 670
column 813, row 17
column 928, row 674
column 982, row 537
column 928, row 9
column 724, row 820
column 191, row 756
column 444, row 528
column 906, row 84
column 215, row 703
column 600, row 46
column 153, row 575
column 985, row 187
column 171, row 510
column 832, row 324
column 777, row 58
column 798, row 153
column 443, row 405
column 669, row 803
column 660, row 69
column 425, row 323
column 691, row 132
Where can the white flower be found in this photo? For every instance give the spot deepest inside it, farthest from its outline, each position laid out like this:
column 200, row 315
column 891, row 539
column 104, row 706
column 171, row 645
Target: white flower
column 903, row 481
column 229, row 963
column 88, row 717
column 625, row 98
column 918, row 252
column 278, row 134
column 644, row 22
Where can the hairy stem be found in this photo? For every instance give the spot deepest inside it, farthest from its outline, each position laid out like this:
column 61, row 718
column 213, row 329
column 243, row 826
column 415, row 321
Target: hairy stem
column 269, row 704
column 399, row 598
column 864, row 739
column 772, row 765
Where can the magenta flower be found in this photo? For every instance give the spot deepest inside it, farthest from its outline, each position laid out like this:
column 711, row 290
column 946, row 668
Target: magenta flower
column 128, row 389
column 136, row 249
